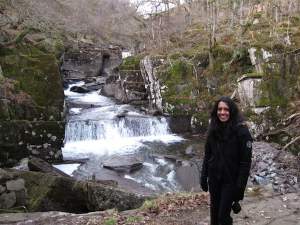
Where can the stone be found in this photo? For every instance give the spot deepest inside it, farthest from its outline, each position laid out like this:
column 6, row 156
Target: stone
column 7, row 200
column 190, row 151
column 188, row 177
column 4, row 176
column 261, row 180
column 79, row 89
column 15, row 185
column 2, row 189
column 56, row 193
column 123, row 164
column 22, row 165
column 39, row 165
column 31, row 93
column 149, row 73
column 21, row 197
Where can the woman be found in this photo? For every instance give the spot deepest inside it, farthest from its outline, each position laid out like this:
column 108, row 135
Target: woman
column 227, row 160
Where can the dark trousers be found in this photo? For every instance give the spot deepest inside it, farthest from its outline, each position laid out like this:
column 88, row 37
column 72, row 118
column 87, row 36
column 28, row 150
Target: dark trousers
column 221, row 199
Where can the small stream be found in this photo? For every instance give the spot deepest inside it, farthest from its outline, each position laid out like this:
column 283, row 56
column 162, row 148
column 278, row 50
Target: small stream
column 99, row 130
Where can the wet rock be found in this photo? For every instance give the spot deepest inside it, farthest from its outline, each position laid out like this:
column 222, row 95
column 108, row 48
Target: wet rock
column 92, row 86
column 172, row 158
column 79, row 89
column 123, row 164
column 122, row 113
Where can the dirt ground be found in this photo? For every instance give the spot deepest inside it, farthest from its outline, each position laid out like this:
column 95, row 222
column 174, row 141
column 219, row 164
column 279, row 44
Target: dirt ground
column 265, row 208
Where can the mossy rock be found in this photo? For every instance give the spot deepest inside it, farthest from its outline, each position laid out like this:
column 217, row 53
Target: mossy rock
column 179, row 80
column 19, row 139
column 131, row 63
column 54, row 193
column 37, row 73
column 47, row 192
column 53, row 46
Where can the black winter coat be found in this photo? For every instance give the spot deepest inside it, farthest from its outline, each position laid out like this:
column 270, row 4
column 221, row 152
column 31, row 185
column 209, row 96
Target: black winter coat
column 229, row 158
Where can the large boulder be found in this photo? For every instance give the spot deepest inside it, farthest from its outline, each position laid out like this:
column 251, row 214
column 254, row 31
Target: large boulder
column 19, row 139
column 248, row 90
column 55, row 193
column 128, row 84
column 123, row 164
column 31, row 109
column 90, row 61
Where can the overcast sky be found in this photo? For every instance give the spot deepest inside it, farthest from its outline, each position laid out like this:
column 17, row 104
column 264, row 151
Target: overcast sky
column 150, row 7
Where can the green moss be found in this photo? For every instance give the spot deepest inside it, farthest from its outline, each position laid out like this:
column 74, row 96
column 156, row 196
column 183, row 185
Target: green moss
column 110, row 221
column 222, row 52
column 37, row 190
column 180, row 71
column 54, row 46
column 175, row 56
column 179, row 79
column 133, row 219
column 150, row 205
column 273, row 90
column 131, row 63
column 37, row 74
column 202, row 119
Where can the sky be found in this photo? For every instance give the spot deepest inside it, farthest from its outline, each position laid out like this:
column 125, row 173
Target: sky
column 148, row 7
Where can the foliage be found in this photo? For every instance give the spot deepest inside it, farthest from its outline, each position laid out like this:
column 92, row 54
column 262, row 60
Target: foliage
column 37, row 74
column 149, row 205
column 134, row 219
column 131, row 63
column 110, row 221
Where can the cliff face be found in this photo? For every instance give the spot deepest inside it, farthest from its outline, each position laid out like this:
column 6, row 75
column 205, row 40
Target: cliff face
column 31, row 112
column 257, row 64
column 31, row 90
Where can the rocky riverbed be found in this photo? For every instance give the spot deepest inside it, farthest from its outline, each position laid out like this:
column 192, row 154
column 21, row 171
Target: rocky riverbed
column 275, row 167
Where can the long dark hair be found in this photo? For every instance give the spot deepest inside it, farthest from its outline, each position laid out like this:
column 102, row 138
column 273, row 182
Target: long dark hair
column 235, row 118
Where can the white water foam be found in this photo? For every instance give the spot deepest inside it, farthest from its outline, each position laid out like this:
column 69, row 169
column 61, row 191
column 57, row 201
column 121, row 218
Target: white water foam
column 75, row 110
column 120, row 146
column 69, row 93
column 152, row 167
column 67, row 168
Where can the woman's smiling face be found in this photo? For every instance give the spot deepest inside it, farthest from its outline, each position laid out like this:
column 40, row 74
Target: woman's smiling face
column 223, row 112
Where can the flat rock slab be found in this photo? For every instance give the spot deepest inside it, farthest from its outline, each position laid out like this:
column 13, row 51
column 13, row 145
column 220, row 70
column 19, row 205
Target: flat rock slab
column 123, row 164
column 39, row 165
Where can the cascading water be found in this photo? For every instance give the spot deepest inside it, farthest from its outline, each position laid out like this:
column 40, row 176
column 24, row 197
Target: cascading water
column 98, row 129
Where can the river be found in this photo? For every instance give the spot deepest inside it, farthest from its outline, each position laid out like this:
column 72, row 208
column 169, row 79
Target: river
column 101, row 131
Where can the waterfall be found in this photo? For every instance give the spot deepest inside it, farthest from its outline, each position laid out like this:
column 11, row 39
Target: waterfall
column 80, row 130
column 99, row 129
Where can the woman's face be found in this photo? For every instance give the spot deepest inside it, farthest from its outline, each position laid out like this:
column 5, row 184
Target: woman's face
column 223, row 112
